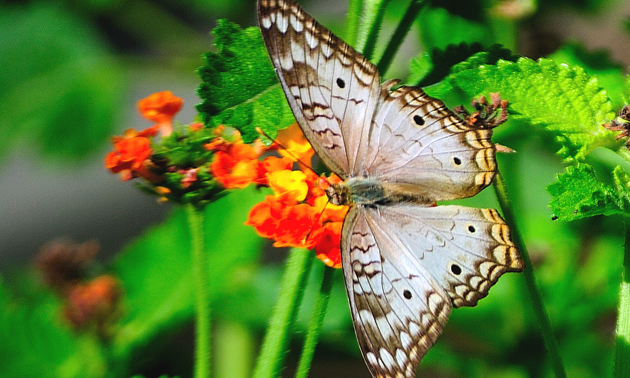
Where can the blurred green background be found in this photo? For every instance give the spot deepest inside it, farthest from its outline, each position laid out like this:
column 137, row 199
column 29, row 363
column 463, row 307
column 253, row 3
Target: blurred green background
column 71, row 73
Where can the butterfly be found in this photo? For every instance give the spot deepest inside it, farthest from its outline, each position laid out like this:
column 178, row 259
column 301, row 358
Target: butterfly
column 406, row 262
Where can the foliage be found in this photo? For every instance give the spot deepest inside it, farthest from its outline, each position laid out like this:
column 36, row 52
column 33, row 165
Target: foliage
column 239, row 86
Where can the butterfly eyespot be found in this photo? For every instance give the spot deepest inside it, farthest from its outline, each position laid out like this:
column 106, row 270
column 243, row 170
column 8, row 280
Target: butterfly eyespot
column 456, row 269
column 407, row 294
column 457, row 161
column 340, row 83
column 418, row 120
column 471, row 229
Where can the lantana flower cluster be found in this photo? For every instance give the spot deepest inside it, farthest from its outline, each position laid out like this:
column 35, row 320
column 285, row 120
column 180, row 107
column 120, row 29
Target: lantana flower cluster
column 196, row 164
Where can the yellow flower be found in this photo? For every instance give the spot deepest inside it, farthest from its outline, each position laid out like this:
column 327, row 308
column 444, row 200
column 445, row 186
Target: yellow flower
column 295, row 146
column 286, row 181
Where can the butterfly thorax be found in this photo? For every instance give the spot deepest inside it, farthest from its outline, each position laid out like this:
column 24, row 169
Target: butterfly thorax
column 371, row 191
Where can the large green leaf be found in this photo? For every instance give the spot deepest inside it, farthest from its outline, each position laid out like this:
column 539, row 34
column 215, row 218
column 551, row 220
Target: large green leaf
column 239, row 86
column 579, row 194
column 563, row 100
column 610, row 75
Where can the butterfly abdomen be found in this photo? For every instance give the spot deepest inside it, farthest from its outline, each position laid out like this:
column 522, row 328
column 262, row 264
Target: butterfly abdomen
column 371, row 191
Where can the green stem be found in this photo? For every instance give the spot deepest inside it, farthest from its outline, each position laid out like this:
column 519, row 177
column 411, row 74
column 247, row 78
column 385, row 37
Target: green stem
column 538, row 305
column 276, row 340
column 200, row 267
column 399, row 35
column 352, row 21
column 622, row 348
column 372, row 37
column 315, row 326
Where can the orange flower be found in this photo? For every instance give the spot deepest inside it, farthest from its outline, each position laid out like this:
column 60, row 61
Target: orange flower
column 265, row 216
column 294, row 145
column 299, row 215
column 161, row 107
column 95, row 302
column 269, row 165
column 328, row 249
column 131, row 154
column 237, row 167
column 195, row 126
column 287, row 222
column 299, row 227
column 225, row 138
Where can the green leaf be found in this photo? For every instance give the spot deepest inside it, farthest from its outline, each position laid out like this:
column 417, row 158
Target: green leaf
column 239, row 86
column 157, row 275
column 579, row 194
column 60, row 85
column 563, row 100
column 610, row 75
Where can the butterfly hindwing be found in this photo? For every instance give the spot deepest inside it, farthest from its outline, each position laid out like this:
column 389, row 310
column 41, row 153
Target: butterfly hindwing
column 332, row 90
column 465, row 249
column 398, row 308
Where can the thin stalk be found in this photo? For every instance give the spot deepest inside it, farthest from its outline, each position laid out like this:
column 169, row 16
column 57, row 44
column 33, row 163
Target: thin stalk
column 375, row 28
column 200, row 266
column 530, row 280
column 315, row 326
column 352, row 21
column 276, row 340
column 399, row 35
column 622, row 347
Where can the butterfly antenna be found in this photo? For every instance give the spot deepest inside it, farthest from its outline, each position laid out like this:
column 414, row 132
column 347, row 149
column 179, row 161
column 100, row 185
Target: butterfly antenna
column 319, row 217
column 303, row 164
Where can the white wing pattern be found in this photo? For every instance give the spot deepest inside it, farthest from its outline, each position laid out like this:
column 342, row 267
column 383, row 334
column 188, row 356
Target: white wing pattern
column 417, row 145
column 406, row 262
column 331, row 88
column 398, row 308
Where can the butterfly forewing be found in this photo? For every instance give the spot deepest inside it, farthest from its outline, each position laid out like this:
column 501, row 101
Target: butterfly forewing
column 418, row 145
column 332, row 90
column 398, row 308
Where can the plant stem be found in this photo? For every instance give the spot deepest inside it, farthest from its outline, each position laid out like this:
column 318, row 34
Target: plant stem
column 399, row 35
column 622, row 348
column 200, row 267
column 276, row 340
column 315, row 326
column 538, row 305
column 352, row 21
column 372, row 37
